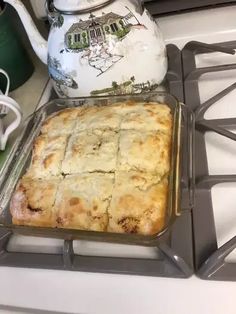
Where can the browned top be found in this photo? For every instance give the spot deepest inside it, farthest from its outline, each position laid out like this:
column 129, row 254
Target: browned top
column 33, row 201
column 99, row 168
column 138, row 203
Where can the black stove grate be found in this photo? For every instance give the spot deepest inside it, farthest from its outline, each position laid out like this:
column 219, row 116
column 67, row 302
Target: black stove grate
column 209, row 259
column 174, row 258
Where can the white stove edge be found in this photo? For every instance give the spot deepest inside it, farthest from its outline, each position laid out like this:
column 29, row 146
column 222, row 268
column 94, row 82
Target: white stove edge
column 74, row 292
column 210, row 26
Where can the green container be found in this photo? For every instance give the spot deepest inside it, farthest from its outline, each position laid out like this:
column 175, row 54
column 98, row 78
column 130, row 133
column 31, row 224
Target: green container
column 14, row 58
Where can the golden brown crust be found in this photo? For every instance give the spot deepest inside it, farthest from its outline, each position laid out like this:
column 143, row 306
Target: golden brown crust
column 61, row 123
column 144, row 151
column 91, row 151
column 32, row 202
column 146, row 117
column 103, row 117
column 116, row 160
column 48, row 153
column 82, row 201
column 138, row 203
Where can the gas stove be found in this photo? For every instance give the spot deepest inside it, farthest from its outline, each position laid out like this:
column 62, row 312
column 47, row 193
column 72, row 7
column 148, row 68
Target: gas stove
column 202, row 240
column 207, row 87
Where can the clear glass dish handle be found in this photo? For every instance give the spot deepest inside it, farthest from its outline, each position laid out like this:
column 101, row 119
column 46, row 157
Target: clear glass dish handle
column 191, row 153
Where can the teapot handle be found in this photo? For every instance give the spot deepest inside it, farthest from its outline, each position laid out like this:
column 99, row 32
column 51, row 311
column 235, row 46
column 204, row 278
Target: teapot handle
column 51, row 11
column 49, row 5
column 140, row 6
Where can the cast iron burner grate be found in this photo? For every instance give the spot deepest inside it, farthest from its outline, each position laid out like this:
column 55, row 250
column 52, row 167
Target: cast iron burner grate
column 209, row 259
column 175, row 258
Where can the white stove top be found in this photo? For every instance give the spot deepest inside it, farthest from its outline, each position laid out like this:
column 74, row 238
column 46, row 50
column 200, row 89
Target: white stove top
column 210, row 26
column 100, row 293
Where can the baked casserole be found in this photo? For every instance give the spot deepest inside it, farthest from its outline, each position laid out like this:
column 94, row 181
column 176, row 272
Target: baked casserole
column 99, row 168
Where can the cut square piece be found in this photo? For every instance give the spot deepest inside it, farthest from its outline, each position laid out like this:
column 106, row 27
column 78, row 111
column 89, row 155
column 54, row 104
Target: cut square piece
column 32, row 202
column 138, row 204
column 48, row 154
column 91, row 151
column 82, row 201
column 148, row 117
column 144, row 151
column 62, row 123
column 100, row 117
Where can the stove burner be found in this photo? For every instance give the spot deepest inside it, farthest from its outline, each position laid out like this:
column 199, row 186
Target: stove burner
column 209, row 259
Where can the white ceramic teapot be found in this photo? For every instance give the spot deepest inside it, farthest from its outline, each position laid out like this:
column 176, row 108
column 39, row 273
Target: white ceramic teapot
column 99, row 47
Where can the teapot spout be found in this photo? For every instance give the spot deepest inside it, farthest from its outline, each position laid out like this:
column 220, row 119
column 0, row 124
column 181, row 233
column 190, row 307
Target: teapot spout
column 38, row 43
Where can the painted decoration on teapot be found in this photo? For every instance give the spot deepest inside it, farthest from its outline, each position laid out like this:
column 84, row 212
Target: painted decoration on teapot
column 105, row 52
column 97, row 38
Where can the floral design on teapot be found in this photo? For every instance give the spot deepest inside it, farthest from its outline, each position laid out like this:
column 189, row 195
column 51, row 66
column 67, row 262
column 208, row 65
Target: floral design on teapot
column 62, row 79
column 58, row 21
column 96, row 38
column 127, row 87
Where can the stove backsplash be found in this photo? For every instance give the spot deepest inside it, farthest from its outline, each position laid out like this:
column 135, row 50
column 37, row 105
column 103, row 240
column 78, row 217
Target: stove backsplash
column 160, row 7
column 155, row 7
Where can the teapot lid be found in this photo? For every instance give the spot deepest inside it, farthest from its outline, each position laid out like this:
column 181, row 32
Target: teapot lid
column 73, row 6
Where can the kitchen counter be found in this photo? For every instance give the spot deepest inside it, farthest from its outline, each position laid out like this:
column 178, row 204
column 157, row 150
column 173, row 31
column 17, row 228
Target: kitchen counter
column 29, row 94
column 28, row 97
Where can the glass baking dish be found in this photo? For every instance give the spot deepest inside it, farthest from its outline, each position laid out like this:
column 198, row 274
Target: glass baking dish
column 20, row 157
